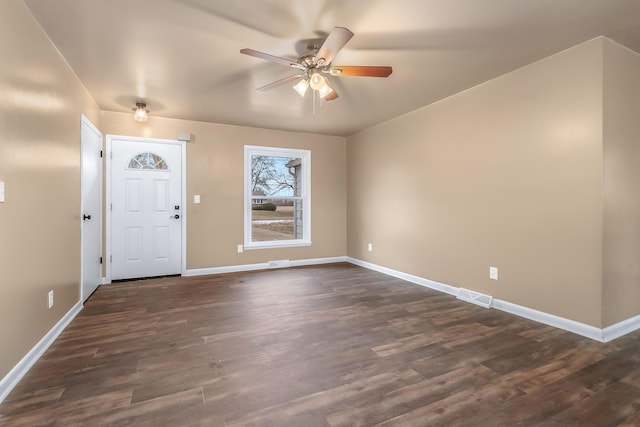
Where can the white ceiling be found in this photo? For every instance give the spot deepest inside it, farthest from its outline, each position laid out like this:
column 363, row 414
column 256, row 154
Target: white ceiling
column 182, row 56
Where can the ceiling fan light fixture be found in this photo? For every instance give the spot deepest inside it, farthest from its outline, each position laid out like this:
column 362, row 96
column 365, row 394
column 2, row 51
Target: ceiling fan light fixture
column 315, row 66
column 325, row 90
column 301, row 87
column 141, row 112
column 317, row 82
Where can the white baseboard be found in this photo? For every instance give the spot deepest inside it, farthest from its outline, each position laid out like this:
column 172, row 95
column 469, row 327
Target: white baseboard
column 22, row 367
column 317, row 261
column 226, row 269
column 603, row 335
column 619, row 329
column 550, row 319
column 261, row 266
column 448, row 289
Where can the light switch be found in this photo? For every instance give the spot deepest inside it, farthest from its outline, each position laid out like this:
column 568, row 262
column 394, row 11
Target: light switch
column 196, row 198
column 1, row 192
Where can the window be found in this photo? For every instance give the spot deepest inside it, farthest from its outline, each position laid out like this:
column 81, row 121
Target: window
column 277, row 206
column 147, row 161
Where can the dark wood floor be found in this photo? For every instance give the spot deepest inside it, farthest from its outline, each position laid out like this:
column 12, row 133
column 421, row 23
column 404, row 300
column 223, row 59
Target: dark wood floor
column 333, row 345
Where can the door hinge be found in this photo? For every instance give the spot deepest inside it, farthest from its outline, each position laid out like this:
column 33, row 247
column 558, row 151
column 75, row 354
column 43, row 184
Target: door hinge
column 111, row 155
column 100, row 260
column 100, row 153
column 110, row 206
column 110, row 258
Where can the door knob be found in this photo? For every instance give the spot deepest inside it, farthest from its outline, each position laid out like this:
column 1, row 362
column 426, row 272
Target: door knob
column 176, row 216
column 86, row 217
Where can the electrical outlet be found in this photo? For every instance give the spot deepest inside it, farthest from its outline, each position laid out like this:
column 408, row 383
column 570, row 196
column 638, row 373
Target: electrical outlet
column 50, row 302
column 240, row 249
column 370, row 247
column 493, row 273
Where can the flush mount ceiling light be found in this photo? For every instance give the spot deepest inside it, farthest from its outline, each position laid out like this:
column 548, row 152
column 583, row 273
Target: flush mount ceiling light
column 314, row 67
column 141, row 112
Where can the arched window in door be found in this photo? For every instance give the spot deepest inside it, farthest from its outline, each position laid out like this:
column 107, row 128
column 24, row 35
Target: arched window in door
column 147, row 161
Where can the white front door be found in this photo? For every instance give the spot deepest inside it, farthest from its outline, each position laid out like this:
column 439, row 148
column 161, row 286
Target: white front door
column 91, row 211
column 146, row 211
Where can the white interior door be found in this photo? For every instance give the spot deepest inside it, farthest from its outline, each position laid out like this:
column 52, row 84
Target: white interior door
column 146, row 211
column 91, row 201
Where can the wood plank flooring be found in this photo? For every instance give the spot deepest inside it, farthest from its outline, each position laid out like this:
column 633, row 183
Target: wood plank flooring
column 333, row 345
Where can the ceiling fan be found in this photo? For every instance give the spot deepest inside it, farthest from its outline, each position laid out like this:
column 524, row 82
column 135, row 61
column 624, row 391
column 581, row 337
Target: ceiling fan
column 314, row 67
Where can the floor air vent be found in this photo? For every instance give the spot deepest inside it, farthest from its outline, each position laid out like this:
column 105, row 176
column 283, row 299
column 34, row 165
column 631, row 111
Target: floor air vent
column 475, row 297
column 280, row 264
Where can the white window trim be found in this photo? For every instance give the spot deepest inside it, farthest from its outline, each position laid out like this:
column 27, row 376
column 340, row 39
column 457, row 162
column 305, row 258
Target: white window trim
column 305, row 156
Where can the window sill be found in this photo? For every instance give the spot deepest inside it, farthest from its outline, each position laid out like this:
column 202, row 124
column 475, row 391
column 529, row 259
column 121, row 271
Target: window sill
column 276, row 244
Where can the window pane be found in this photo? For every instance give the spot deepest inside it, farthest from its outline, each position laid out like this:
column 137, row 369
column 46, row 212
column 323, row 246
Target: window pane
column 147, row 161
column 275, row 176
column 273, row 219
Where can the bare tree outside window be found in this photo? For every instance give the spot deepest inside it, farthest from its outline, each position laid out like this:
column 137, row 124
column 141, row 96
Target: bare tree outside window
column 271, row 175
column 274, row 216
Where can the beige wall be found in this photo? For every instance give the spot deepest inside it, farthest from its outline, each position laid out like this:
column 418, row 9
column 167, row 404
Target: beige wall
column 40, row 105
column 215, row 171
column 621, row 269
column 512, row 173
column 507, row 174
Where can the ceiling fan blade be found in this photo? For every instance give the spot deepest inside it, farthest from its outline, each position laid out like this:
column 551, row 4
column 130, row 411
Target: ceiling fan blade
column 267, row 57
column 361, row 70
column 334, row 94
column 280, row 82
column 338, row 37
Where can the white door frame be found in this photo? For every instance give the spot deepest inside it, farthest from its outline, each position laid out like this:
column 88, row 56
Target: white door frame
column 85, row 121
column 183, row 201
